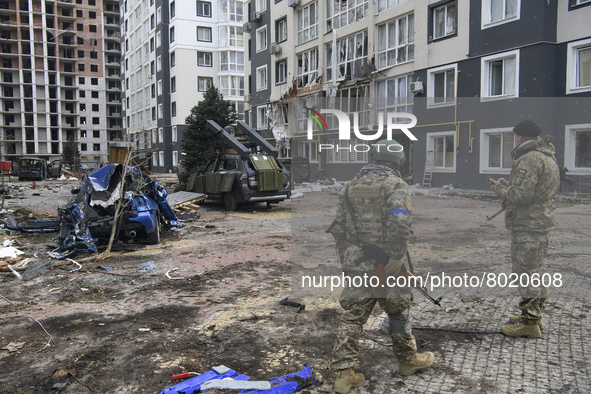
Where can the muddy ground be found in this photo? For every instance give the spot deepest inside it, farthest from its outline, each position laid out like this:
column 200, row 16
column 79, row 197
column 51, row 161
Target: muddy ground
column 128, row 331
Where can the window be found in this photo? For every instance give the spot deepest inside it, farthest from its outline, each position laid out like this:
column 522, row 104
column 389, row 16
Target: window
column 281, row 72
column 174, row 135
column 96, row 134
column 444, row 20
column 577, row 148
column 204, row 9
column 203, row 83
column 261, row 39
column 161, row 158
column 173, row 108
column 94, row 81
column 578, row 77
column 441, row 86
column 441, row 148
column 155, row 159
column 260, row 5
column 500, row 75
column 158, row 15
column 159, row 63
column 173, row 84
column 203, row 33
column 80, row 27
column 159, row 87
column 82, row 93
column 80, row 54
column 261, row 117
column 396, row 41
column 231, row 61
column 171, row 36
column 80, row 66
column 94, row 68
column 175, row 158
column 160, row 112
column 172, row 9
column 83, row 147
column 96, row 147
column 159, row 39
column 153, row 89
column 96, row 120
column 307, row 23
column 351, row 50
column 307, row 67
column 261, row 81
column 94, row 55
column 387, row 4
column 495, row 12
column 341, row 13
column 231, row 85
column 94, row 94
column 231, row 10
column 160, row 134
column 309, row 150
column 95, row 107
column 281, row 30
column 83, row 107
column 231, row 36
column 152, row 44
column 495, row 150
column 92, row 28
column 344, row 152
column 394, row 95
column 204, row 59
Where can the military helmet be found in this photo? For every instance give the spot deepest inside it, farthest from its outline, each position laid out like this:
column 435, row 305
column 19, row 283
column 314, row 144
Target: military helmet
column 387, row 152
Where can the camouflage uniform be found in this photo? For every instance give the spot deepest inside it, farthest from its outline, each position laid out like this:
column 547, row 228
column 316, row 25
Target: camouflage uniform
column 533, row 184
column 381, row 204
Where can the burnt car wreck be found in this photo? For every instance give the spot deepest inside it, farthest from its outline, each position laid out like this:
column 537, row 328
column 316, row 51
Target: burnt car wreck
column 88, row 218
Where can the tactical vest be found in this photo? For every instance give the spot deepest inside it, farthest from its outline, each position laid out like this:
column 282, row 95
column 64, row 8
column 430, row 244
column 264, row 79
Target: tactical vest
column 366, row 202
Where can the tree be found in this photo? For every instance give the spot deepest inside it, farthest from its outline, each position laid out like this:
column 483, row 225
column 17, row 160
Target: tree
column 71, row 154
column 198, row 142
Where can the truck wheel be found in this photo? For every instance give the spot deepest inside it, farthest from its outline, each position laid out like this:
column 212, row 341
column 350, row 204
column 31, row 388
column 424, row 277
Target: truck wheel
column 230, row 202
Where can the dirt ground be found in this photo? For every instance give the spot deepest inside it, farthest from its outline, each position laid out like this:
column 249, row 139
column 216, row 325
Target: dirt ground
column 127, row 331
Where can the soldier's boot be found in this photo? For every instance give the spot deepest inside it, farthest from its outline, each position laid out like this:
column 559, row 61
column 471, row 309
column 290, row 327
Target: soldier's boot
column 347, row 380
column 417, row 362
column 517, row 319
column 522, row 330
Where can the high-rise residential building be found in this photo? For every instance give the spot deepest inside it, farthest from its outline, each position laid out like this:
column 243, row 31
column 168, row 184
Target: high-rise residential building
column 60, row 81
column 173, row 51
column 468, row 70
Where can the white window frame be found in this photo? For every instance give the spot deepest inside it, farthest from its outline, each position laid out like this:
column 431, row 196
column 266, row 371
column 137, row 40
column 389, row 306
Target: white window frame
column 309, row 70
column 387, row 4
column 234, row 61
column 174, row 134
column 397, row 46
column 205, row 28
column 160, row 112
column 159, row 87
column 261, row 39
column 204, row 80
column 280, row 77
column 160, row 135
column 159, row 63
column 161, row 158
column 175, row 158
column 485, row 85
column 307, row 29
column 570, row 145
column 205, row 56
column 262, row 78
column 485, row 134
column 309, row 150
column 431, row 102
column 346, row 151
column 341, row 13
column 155, row 159
column 486, row 19
column 396, row 103
column 445, row 9
column 572, row 66
column 231, row 36
column 431, row 150
column 351, row 56
column 205, row 6
column 281, row 30
column 158, row 15
column 231, row 10
column 262, row 120
column 260, row 6
column 235, row 86
column 158, row 39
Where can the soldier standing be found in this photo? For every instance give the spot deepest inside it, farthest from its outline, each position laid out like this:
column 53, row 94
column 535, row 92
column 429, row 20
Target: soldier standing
column 376, row 206
column 528, row 195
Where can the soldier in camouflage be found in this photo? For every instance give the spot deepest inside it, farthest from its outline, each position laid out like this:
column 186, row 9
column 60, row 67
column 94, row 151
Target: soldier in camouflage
column 529, row 194
column 376, row 205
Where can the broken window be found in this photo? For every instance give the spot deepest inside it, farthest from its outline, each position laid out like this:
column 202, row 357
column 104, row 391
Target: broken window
column 583, row 149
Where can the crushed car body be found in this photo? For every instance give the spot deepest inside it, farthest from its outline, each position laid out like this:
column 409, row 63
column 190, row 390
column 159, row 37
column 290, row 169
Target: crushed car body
column 88, row 218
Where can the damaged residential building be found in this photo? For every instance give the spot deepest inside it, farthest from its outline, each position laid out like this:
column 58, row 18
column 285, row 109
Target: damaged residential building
column 468, row 70
column 60, row 70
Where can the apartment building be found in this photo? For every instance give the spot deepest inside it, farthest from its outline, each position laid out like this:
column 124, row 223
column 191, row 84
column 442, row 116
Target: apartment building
column 60, row 78
column 467, row 69
column 173, row 52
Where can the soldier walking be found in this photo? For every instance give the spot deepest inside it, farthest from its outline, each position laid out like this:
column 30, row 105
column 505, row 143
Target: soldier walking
column 376, row 206
column 528, row 195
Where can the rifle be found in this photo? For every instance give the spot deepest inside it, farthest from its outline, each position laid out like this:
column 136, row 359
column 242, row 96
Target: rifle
column 381, row 258
column 503, row 207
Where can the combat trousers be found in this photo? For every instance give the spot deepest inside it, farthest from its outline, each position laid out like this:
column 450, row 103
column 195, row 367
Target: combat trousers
column 358, row 303
column 528, row 250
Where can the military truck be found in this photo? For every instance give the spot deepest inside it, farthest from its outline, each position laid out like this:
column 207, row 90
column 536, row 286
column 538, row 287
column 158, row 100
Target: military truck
column 242, row 172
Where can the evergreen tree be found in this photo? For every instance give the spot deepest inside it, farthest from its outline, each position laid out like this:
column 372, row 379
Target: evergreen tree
column 71, row 154
column 198, row 142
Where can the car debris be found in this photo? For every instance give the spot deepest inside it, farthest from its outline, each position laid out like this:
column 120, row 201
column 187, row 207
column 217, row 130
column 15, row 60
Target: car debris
column 88, row 218
column 286, row 301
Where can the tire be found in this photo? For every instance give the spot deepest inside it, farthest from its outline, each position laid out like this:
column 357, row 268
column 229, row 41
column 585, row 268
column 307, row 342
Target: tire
column 154, row 237
column 230, row 202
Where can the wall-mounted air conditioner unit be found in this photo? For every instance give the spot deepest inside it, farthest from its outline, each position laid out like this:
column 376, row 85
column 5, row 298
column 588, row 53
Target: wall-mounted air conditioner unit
column 293, row 3
column 246, row 27
column 416, row 87
column 276, row 49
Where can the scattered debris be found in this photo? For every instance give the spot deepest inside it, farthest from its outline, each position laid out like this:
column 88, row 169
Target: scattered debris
column 146, row 267
column 172, row 270
column 13, row 346
column 300, row 307
column 9, row 252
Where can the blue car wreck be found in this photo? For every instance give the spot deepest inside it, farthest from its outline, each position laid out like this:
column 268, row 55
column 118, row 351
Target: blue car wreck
column 88, row 218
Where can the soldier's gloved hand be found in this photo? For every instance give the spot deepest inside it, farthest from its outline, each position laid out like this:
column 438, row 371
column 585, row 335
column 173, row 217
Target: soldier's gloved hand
column 393, row 266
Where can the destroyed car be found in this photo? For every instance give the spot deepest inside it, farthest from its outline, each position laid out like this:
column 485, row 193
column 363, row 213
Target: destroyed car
column 36, row 169
column 241, row 175
column 88, row 217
